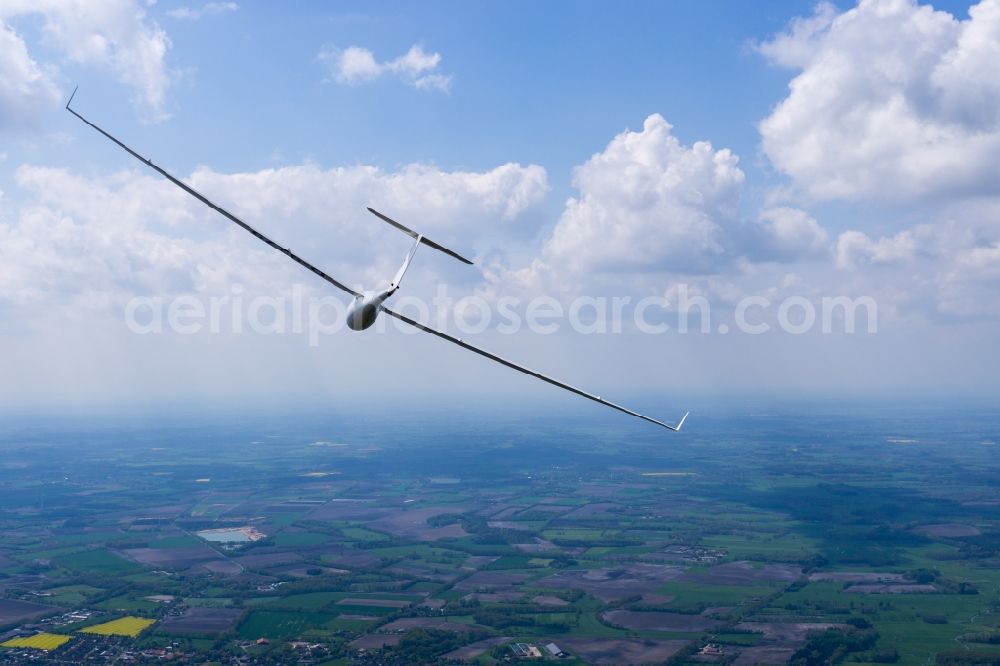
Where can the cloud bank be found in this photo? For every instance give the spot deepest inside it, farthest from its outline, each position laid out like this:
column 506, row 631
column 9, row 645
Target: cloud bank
column 93, row 242
column 897, row 105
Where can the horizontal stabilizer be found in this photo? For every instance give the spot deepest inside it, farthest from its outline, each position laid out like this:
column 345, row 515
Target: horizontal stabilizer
column 413, row 234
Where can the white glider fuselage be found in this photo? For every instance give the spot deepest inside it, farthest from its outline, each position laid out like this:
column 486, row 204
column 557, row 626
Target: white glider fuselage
column 365, row 308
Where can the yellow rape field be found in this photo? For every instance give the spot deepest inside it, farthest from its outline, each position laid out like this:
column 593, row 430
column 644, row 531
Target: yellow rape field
column 125, row 626
column 42, row 641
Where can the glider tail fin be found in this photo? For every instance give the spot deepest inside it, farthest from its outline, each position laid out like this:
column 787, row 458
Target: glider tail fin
column 394, row 285
column 418, row 237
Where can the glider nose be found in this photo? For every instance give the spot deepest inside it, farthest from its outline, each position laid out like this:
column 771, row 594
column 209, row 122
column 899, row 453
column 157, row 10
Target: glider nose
column 362, row 313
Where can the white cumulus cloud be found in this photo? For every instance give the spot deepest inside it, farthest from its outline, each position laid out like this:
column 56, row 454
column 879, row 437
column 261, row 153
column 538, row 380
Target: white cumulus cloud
column 355, row 65
column 208, row 9
column 786, row 234
column 111, row 34
column 650, row 209
column 945, row 268
column 649, row 202
column 856, row 249
column 893, row 100
column 24, row 85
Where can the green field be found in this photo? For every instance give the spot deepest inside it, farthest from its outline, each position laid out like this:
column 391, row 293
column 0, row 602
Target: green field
column 126, row 604
column 98, row 561
column 785, row 547
column 361, row 534
column 71, row 595
column 286, row 624
column 178, row 541
column 294, row 539
column 305, row 602
column 686, row 594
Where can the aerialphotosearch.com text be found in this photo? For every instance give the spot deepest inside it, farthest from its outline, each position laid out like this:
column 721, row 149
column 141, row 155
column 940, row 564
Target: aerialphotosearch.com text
column 318, row 316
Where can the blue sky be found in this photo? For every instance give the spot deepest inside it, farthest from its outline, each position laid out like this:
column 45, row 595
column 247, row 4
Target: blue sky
column 558, row 142
column 534, row 83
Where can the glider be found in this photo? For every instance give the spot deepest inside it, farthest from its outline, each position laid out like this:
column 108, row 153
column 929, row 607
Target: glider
column 366, row 307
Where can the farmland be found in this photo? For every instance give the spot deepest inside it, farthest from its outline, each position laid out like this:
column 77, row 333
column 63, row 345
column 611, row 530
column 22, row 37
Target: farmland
column 198, row 620
column 40, row 641
column 456, row 543
column 124, row 626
